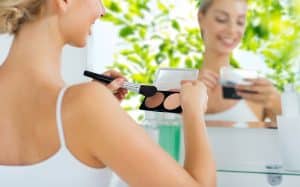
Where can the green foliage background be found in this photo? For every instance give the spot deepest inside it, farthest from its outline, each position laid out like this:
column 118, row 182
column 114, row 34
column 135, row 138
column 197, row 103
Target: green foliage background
column 153, row 37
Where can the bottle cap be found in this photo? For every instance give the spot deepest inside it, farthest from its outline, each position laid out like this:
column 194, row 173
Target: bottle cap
column 169, row 116
column 149, row 115
column 289, row 87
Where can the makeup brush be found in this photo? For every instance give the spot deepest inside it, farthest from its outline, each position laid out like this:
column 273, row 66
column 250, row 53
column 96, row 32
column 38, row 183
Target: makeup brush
column 145, row 90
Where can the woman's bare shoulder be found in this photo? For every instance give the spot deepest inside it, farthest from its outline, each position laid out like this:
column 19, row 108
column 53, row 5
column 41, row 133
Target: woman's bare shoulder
column 90, row 93
column 89, row 100
column 86, row 91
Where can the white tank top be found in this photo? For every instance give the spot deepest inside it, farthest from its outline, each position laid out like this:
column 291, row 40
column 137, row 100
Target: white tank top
column 60, row 170
column 238, row 113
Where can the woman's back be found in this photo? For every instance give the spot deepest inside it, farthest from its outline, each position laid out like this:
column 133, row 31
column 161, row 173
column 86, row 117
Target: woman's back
column 39, row 155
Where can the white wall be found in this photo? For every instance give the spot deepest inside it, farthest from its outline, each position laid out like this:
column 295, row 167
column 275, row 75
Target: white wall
column 102, row 46
column 5, row 42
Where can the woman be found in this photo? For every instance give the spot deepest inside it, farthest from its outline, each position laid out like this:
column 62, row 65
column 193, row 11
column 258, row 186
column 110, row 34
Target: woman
column 222, row 25
column 58, row 136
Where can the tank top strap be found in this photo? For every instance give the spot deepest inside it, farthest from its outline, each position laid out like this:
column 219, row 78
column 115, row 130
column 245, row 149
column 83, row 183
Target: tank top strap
column 59, row 116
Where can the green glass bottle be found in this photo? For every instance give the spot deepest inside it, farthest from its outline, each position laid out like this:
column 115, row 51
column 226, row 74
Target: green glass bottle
column 170, row 134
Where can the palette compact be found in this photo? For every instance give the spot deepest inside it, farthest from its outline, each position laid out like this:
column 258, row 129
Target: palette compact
column 167, row 79
column 163, row 101
column 230, row 78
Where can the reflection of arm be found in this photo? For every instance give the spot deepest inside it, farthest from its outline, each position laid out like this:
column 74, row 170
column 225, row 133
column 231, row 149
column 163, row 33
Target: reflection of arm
column 118, row 142
column 269, row 114
column 273, row 109
column 219, row 123
column 265, row 94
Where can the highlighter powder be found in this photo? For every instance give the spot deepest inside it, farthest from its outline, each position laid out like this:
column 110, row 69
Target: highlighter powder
column 172, row 101
column 155, row 101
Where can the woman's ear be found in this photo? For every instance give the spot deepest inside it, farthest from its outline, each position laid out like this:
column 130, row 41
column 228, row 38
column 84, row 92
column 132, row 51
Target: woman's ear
column 201, row 23
column 200, row 18
column 61, row 5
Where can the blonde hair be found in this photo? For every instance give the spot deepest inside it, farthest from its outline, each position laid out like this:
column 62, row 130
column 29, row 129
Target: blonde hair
column 204, row 6
column 14, row 13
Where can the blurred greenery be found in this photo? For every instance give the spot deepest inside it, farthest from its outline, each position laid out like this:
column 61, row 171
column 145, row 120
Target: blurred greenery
column 152, row 36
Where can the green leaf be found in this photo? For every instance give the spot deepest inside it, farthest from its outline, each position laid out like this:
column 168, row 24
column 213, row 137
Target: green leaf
column 126, row 31
column 163, row 8
column 115, row 7
column 175, row 25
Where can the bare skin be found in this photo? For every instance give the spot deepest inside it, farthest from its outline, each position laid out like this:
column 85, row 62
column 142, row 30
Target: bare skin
column 95, row 125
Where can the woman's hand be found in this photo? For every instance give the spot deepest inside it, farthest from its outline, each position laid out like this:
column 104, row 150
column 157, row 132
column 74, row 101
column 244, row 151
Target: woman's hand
column 263, row 92
column 116, row 85
column 209, row 78
column 194, row 97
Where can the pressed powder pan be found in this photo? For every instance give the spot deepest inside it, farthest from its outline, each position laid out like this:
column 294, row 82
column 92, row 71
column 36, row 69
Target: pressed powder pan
column 155, row 101
column 172, row 101
column 163, row 101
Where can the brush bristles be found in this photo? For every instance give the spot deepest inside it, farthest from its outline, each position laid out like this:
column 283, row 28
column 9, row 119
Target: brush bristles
column 148, row 91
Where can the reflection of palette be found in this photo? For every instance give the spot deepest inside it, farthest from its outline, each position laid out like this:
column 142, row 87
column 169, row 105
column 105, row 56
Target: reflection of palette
column 231, row 77
column 163, row 101
column 170, row 78
column 230, row 93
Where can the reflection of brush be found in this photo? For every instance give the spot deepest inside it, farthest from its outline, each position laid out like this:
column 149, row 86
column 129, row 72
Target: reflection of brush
column 145, row 90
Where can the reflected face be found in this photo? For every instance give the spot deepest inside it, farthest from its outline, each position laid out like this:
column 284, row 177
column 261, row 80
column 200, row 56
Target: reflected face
column 223, row 25
column 78, row 19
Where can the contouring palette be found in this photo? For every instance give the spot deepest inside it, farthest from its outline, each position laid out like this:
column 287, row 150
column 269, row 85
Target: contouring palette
column 163, row 101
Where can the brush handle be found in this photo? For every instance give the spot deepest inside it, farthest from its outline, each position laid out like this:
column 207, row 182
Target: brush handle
column 106, row 79
column 99, row 77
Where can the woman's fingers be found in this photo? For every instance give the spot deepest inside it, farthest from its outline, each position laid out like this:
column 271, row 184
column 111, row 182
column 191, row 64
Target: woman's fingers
column 115, row 85
column 209, row 79
column 209, row 84
column 259, row 81
column 260, row 98
column 194, row 95
column 261, row 91
column 212, row 74
column 254, row 89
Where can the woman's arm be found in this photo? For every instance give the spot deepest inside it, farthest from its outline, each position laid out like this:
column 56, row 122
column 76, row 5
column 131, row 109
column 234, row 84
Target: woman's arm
column 117, row 141
column 196, row 140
